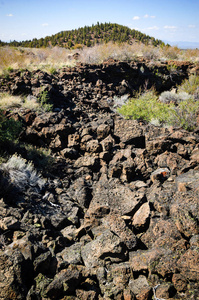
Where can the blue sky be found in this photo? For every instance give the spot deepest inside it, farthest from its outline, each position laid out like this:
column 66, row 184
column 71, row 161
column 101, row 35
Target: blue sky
column 171, row 20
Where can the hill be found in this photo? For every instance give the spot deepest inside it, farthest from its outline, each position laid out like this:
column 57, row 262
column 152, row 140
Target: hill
column 89, row 36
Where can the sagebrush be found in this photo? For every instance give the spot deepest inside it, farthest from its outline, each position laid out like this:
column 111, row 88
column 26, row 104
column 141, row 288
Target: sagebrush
column 179, row 109
column 21, row 174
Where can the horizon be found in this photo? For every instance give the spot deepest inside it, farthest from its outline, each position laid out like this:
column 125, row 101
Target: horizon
column 172, row 21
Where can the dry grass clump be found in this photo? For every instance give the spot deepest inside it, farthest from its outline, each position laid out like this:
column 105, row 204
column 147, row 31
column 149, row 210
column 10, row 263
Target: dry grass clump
column 41, row 103
column 191, row 55
column 48, row 59
column 8, row 101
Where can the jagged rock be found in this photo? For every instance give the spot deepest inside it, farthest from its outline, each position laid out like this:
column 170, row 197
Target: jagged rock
column 72, row 254
column 70, row 212
column 80, row 192
column 42, row 264
column 134, row 135
column 188, row 264
column 73, row 140
column 9, row 223
column 23, row 245
column 173, row 161
column 184, row 209
column 64, row 282
column 69, row 153
column 113, row 280
column 117, row 225
column 120, row 198
column 162, row 233
column 108, row 143
column 41, row 282
column 68, row 232
column 179, row 282
column 93, row 146
column 165, row 290
column 106, row 246
column 140, row 288
column 15, row 275
column 141, row 217
column 86, row 161
column 103, row 131
column 160, row 174
column 187, row 181
column 85, row 295
column 143, row 260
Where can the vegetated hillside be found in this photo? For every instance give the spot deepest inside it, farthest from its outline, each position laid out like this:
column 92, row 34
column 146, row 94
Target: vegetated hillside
column 89, row 36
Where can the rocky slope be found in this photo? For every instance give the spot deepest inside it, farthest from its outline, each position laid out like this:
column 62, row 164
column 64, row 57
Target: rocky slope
column 117, row 215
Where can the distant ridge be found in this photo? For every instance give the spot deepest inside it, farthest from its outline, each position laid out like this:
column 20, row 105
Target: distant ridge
column 185, row 45
column 89, row 36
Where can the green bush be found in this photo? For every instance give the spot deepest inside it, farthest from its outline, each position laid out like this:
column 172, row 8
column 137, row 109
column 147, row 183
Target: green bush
column 190, row 85
column 9, row 129
column 146, row 107
column 185, row 114
column 44, row 100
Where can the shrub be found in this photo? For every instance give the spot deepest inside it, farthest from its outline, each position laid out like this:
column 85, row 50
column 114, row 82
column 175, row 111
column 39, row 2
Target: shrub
column 185, row 114
column 9, row 129
column 21, row 174
column 190, row 85
column 172, row 97
column 119, row 101
column 146, row 107
column 44, row 101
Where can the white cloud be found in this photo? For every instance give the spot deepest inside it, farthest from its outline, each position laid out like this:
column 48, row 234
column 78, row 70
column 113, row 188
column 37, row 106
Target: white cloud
column 153, row 28
column 136, row 18
column 45, row 24
column 192, row 26
column 153, row 17
column 9, row 15
column 170, row 27
column 146, row 16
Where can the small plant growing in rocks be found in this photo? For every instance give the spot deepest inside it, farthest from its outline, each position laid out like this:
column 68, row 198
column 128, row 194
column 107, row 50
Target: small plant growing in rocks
column 146, row 107
column 177, row 109
column 44, row 101
column 21, row 174
column 172, row 97
column 190, row 85
column 9, row 129
column 119, row 101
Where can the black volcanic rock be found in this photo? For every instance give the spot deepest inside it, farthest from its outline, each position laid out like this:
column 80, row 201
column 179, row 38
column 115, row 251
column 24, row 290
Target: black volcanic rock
column 117, row 214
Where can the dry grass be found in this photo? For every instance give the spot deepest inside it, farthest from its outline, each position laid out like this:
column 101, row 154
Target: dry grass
column 32, row 59
column 126, row 52
column 8, row 101
column 51, row 59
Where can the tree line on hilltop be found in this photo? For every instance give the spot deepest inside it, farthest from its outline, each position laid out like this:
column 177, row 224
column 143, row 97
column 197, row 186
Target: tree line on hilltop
column 89, row 36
